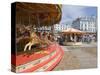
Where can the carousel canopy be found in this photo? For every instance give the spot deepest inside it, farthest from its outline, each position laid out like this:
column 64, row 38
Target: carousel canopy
column 72, row 30
column 37, row 14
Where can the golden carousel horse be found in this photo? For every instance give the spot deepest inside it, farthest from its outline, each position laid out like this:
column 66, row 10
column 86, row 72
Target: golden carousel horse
column 34, row 39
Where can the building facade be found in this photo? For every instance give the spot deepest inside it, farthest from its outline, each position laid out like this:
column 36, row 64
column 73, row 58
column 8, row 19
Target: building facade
column 87, row 24
column 61, row 27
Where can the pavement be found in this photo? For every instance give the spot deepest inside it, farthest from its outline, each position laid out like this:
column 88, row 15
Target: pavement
column 78, row 57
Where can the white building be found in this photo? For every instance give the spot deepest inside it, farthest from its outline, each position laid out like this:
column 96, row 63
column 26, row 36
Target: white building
column 57, row 27
column 61, row 27
column 87, row 24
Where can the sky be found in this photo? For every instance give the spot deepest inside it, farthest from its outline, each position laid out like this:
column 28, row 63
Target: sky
column 71, row 12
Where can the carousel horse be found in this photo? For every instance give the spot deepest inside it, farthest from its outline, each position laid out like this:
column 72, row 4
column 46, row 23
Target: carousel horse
column 34, row 39
column 46, row 38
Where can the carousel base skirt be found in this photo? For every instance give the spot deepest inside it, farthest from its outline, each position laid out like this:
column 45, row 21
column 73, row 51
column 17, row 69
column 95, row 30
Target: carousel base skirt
column 38, row 62
column 72, row 43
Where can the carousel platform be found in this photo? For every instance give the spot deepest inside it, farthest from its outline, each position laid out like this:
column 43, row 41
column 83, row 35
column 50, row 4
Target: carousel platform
column 44, row 60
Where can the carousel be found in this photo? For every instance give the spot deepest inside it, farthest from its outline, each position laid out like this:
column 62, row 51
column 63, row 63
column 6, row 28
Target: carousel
column 72, row 36
column 36, row 48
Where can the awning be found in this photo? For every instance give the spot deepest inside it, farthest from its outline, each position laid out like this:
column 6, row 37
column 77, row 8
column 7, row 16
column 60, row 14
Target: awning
column 72, row 30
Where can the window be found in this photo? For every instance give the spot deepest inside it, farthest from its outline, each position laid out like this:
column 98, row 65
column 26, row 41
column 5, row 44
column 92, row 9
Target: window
column 85, row 27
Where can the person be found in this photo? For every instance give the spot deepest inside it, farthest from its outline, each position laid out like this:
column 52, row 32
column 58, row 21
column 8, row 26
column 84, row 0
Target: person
column 60, row 40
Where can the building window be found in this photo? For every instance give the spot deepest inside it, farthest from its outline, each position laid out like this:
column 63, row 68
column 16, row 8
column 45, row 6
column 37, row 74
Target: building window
column 85, row 27
column 81, row 27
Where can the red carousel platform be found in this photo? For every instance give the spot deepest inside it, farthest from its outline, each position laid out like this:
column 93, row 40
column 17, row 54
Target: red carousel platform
column 39, row 61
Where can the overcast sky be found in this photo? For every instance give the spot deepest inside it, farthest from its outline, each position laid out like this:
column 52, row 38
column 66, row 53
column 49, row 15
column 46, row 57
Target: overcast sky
column 70, row 12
